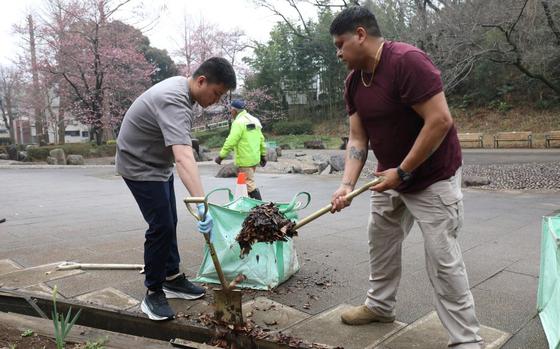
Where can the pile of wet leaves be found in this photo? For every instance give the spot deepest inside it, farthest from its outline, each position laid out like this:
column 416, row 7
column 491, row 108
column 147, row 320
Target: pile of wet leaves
column 228, row 335
column 265, row 223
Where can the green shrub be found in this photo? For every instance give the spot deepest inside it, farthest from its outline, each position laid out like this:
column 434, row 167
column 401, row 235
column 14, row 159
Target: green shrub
column 102, row 150
column 39, row 153
column 500, row 106
column 287, row 127
column 212, row 138
column 544, row 104
column 111, row 141
column 215, row 141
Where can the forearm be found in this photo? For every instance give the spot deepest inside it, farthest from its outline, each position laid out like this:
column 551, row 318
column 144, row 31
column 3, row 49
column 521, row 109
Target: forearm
column 187, row 169
column 427, row 142
column 356, row 155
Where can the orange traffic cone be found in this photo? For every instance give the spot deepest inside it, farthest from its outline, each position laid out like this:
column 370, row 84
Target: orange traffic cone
column 241, row 187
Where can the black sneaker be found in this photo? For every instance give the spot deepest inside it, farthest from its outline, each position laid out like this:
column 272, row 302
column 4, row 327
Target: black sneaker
column 182, row 288
column 156, row 307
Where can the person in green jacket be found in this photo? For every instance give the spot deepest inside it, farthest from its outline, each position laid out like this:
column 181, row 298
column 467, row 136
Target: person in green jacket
column 247, row 141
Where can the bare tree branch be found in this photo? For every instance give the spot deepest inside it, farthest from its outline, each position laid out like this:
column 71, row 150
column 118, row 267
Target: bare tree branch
column 517, row 62
column 518, row 17
column 293, row 5
column 550, row 21
column 266, row 4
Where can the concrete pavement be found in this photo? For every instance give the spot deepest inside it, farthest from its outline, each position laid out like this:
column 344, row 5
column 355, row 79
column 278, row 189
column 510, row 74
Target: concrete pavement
column 88, row 215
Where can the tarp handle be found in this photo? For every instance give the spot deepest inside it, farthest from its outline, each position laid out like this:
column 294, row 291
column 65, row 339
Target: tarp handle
column 230, row 194
column 295, row 204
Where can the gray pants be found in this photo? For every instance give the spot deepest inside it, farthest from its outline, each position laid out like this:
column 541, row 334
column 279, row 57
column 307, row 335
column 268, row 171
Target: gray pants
column 438, row 210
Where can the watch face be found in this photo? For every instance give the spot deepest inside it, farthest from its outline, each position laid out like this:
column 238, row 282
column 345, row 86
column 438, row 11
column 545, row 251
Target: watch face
column 405, row 176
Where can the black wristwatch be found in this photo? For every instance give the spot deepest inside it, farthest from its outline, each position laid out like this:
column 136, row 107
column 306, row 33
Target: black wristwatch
column 403, row 175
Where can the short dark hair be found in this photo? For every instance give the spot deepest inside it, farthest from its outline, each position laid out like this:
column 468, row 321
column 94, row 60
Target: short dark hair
column 349, row 19
column 217, row 70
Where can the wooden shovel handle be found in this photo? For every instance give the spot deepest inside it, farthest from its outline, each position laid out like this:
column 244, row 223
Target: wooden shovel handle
column 328, row 208
column 217, row 265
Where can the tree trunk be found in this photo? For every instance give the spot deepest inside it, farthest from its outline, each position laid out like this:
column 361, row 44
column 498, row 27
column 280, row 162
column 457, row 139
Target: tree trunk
column 42, row 136
column 60, row 122
column 9, row 121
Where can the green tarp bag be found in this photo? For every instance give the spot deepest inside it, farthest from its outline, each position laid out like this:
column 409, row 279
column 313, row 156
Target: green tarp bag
column 548, row 300
column 268, row 264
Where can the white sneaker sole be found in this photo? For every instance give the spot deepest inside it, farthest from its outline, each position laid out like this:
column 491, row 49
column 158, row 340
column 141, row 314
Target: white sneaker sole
column 146, row 310
column 180, row 295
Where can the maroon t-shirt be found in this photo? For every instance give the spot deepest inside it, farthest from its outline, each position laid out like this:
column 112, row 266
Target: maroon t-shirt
column 404, row 76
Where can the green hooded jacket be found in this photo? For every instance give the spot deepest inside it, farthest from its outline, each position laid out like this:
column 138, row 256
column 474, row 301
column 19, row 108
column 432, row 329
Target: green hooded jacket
column 246, row 140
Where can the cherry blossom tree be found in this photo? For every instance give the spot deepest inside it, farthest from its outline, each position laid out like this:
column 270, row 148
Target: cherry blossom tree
column 98, row 60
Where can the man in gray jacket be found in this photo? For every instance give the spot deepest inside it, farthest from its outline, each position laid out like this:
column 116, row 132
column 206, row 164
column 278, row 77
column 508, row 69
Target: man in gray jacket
column 155, row 134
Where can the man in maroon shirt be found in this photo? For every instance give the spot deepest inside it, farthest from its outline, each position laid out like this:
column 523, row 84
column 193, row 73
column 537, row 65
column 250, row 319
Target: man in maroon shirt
column 395, row 100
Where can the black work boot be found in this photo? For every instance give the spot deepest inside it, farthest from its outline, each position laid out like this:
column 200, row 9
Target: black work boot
column 255, row 194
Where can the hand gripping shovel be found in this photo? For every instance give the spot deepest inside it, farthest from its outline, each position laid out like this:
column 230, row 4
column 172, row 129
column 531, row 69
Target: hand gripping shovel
column 327, row 208
column 227, row 299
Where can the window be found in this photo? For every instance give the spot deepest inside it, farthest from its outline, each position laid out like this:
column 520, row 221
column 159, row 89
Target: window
column 85, row 134
column 72, row 133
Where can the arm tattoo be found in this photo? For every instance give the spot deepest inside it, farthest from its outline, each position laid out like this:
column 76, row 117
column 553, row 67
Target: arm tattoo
column 358, row 154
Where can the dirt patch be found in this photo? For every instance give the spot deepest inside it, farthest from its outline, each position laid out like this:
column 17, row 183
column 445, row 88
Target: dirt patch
column 13, row 338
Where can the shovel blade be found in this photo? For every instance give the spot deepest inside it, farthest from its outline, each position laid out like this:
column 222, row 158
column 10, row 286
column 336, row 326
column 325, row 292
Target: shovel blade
column 228, row 306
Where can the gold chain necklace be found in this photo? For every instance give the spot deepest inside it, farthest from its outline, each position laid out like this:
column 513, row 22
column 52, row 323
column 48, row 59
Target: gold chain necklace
column 377, row 58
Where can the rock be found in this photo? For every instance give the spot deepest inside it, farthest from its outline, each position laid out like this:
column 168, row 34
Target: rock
column 320, row 157
column 51, row 160
column 344, row 143
column 203, row 149
column 196, row 156
column 227, row 171
column 310, row 170
column 12, row 152
column 205, row 156
column 321, row 165
column 313, row 145
column 298, row 155
column 22, row 156
column 285, row 146
column 327, row 170
column 337, row 162
column 112, row 162
column 294, row 169
column 4, row 156
column 195, row 144
column 59, row 155
column 271, row 155
column 29, row 147
column 475, row 181
column 278, row 151
column 75, row 160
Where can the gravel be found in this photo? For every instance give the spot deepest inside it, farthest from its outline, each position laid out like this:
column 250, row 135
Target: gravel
column 539, row 176
column 523, row 176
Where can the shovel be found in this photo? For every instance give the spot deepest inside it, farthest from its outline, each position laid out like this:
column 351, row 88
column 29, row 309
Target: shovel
column 328, row 208
column 227, row 299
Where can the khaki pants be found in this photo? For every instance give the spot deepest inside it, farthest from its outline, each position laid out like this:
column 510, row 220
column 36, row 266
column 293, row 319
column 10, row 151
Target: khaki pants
column 250, row 173
column 438, row 210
